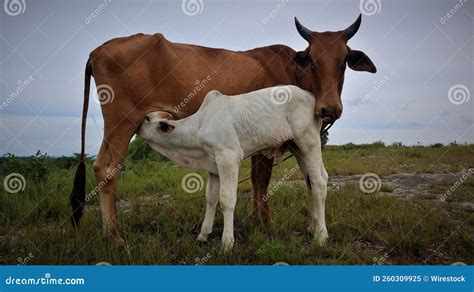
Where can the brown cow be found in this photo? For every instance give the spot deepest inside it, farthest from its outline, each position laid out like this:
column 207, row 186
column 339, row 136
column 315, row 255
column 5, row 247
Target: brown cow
column 146, row 73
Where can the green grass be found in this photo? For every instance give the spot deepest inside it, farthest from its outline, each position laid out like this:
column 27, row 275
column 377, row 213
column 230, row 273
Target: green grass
column 363, row 228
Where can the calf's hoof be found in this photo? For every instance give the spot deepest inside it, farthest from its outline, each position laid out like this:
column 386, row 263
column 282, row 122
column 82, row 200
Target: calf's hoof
column 202, row 237
column 321, row 236
column 227, row 244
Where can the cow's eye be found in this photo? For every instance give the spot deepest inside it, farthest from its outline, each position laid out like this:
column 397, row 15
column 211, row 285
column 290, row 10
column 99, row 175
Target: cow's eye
column 147, row 119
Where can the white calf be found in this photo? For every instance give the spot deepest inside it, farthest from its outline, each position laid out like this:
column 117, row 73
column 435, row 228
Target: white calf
column 227, row 129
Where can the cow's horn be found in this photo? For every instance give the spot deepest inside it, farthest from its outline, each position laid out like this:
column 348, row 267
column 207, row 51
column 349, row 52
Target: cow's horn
column 351, row 30
column 303, row 31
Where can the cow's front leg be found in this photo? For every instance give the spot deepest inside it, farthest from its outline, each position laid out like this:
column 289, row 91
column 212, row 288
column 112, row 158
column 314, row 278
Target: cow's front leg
column 311, row 164
column 228, row 167
column 212, row 196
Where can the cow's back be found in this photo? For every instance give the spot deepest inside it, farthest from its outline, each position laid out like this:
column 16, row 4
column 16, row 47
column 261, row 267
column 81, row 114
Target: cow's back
column 149, row 73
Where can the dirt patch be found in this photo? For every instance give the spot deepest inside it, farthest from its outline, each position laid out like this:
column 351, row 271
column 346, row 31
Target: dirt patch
column 409, row 185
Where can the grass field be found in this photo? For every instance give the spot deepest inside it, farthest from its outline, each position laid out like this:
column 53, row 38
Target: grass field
column 161, row 221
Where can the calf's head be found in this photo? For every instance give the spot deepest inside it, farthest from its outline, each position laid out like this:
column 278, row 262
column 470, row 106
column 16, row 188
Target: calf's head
column 320, row 68
column 161, row 122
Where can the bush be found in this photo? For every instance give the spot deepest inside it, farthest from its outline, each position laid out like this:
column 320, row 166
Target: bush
column 139, row 149
column 397, row 144
column 324, row 138
column 36, row 167
column 437, row 145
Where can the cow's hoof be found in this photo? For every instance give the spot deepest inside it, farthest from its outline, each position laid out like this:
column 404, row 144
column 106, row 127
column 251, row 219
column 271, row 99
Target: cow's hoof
column 118, row 242
column 202, row 237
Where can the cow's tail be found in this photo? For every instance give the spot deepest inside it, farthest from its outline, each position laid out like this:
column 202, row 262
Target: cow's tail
column 78, row 194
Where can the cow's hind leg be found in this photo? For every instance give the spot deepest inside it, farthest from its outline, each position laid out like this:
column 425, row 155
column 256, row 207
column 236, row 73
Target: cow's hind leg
column 107, row 169
column 212, row 197
column 261, row 174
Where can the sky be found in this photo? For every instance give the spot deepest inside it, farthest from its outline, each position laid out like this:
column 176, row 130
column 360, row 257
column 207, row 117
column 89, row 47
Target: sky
column 423, row 50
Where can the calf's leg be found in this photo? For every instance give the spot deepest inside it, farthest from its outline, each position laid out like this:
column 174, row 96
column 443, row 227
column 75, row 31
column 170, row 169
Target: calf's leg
column 311, row 164
column 212, row 196
column 228, row 168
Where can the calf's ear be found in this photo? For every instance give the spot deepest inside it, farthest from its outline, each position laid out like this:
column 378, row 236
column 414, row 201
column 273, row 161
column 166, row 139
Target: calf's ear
column 165, row 127
column 359, row 61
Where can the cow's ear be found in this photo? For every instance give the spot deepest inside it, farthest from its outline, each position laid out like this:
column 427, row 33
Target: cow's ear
column 359, row 61
column 302, row 60
column 165, row 127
